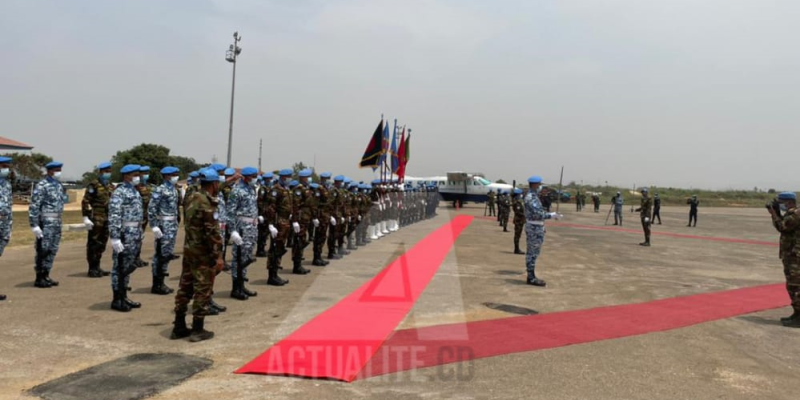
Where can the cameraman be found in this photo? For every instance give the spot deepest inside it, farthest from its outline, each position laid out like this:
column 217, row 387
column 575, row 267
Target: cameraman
column 789, row 226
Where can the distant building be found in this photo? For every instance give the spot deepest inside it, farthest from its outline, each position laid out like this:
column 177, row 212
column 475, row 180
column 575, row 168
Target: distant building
column 13, row 146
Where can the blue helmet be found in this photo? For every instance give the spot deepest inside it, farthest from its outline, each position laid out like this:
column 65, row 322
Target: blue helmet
column 517, row 191
column 194, row 174
column 293, row 183
column 783, row 196
column 535, row 179
column 314, row 186
column 217, row 168
column 7, row 160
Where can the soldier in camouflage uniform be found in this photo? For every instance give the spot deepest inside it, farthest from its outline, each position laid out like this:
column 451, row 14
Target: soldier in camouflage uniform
column 491, row 200
column 125, row 219
column 302, row 199
column 645, row 213
column 162, row 212
column 325, row 221
column 337, row 217
column 261, row 193
column 94, row 208
column 534, row 228
column 44, row 215
column 314, row 228
column 145, row 191
column 519, row 219
column 281, row 218
column 6, row 201
column 202, row 259
column 352, row 212
column 789, row 227
column 505, row 210
column 242, row 213
column 364, row 206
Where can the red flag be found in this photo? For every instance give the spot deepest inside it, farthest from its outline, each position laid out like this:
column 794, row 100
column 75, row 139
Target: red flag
column 401, row 156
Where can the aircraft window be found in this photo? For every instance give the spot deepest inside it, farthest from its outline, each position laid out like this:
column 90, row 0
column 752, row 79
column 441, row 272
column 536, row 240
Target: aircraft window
column 484, row 182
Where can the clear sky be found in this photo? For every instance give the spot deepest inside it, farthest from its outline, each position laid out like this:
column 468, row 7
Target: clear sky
column 700, row 93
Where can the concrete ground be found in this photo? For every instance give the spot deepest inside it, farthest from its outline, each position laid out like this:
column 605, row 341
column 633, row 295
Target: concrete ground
column 48, row 333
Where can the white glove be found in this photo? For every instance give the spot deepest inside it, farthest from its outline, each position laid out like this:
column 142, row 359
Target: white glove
column 296, row 227
column 117, row 245
column 88, row 222
column 273, row 231
column 37, row 232
column 646, row 220
column 348, row 220
column 342, row 219
column 157, row 232
column 260, row 219
column 236, row 238
column 555, row 215
column 380, row 207
column 316, row 222
column 359, row 218
column 333, row 221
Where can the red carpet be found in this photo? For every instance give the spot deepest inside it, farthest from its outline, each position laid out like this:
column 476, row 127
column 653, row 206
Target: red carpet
column 405, row 350
column 339, row 342
column 656, row 233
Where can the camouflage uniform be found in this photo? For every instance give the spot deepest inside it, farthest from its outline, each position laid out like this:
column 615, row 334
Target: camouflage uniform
column 6, row 216
column 162, row 212
column 505, row 211
column 261, row 242
column 519, row 221
column 492, row 199
column 336, row 202
column 321, row 236
column 201, row 250
column 145, row 192
column 280, row 215
column 534, row 231
column 645, row 213
column 301, row 199
column 95, row 207
column 125, row 219
column 47, row 205
column 241, row 212
column 789, row 227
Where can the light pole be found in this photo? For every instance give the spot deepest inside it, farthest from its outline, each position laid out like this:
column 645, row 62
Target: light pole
column 231, row 56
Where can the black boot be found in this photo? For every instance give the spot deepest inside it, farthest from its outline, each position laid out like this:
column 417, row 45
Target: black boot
column 333, row 256
column 129, row 302
column 198, row 333
column 246, row 291
column 350, row 244
column 342, row 251
column 48, row 280
column 298, row 268
column 517, row 250
column 537, row 282
column 94, row 270
column 159, row 287
column 792, row 323
column 119, row 303
column 40, row 281
column 318, row 261
column 236, row 292
column 274, row 279
column 179, row 329
column 645, row 243
column 795, row 315
column 261, row 252
column 2, row 297
column 216, row 306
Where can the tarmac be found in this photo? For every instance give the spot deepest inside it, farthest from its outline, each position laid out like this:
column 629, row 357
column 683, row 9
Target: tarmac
column 49, row 333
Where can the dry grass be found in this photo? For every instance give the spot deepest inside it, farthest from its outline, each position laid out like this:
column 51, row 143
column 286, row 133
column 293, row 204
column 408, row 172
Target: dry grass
column 21, row 234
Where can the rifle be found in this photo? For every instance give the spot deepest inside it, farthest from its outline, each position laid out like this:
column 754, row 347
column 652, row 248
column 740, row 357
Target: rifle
column 609, row 214
column 560, row 181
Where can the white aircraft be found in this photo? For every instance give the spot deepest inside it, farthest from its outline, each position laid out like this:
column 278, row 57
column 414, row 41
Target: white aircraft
column 461, row 186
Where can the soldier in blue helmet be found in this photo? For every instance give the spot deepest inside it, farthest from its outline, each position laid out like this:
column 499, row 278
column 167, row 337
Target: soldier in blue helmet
column 788, row 225
column 44, row 215
column 6, row 216
column 162, row 212
column 535, row 216
column 125, row 217
column 94, row 208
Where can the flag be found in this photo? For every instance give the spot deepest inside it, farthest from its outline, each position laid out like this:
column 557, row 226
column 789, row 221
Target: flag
column 372, row 155
column 401, row 156
column 393, row 152
column 384, row 144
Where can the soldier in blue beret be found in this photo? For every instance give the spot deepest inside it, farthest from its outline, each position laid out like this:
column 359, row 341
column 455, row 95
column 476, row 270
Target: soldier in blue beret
column 125, row 219
column 535, row 216
column 94, row 208
column 164, row 217
column 6, row 200
column 44, row 215
column 788, row 225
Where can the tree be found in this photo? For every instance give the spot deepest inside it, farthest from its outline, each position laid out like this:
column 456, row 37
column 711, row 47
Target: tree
column 299, row 166
column 154, row 156
column 500, row 181
column 29, row 166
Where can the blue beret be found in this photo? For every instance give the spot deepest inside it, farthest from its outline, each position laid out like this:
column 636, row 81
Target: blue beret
column 338, row 178
column 229, row 171
column 285, row 172
column 247, row 171
column 304, row 173
column 347, row 180
column 787, row 196
column 293, row 183
column 325, row 175
column 268, row 175
column 169, row 170
column 535, row 179
column 517, row 191
column 144, row 168
column 194, row 174
column 314, row 186
column 104, row 165
column 54, row 164
column 376, row 181
column 130, row 168
column 217, row 168
column 209, row 175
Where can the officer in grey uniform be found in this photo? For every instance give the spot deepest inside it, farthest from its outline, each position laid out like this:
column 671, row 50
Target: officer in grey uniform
column 44, row 215
column 6, row 216
column 162, row 213
column 243, row 219
column 534, row 228
column 125, row 219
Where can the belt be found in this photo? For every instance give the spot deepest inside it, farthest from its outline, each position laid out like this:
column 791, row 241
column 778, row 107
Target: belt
column 3, row 217
column 131, row 224
column 51, row 215
column 247, row 220
column 168, row 218
column 540, row 223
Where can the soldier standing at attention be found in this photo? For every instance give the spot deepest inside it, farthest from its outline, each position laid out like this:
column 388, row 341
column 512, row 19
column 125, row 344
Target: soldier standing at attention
column 243, row 219
column 6, row 200
column 162, row 212
column 618, row 202
column 657, row 208
column 596, row 201
column 302, row 200
column 492, row 198
column 145, row 192
column 44, row 215
column 578, row 201
column 693, row 203
column 325, row 220
column 645, row 212
column 202, row 259
column 125, row 215
column 519, row 219
column 280, row 218
column 789, row 225
column 261, row 193
column 534, row 228
column 94, row 208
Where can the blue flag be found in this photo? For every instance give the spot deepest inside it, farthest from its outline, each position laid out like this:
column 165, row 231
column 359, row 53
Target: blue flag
column 395, row 158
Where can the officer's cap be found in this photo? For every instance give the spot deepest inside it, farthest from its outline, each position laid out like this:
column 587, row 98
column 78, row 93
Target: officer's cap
column 787, row 196
column 102, row 165
column 338, row 178
column 54, row 164
column 535, row 179
column 304, row 173
column 229, row 172
column 249, row 171
column 169, row 170
column 285, row 172
column 130, row 168
column 209, row 175
column 144, row 168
